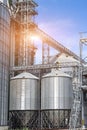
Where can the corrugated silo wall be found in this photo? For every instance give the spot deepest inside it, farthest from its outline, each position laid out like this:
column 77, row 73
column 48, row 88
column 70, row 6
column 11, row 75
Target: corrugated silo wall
column 56, row 100
column 24, row 103
column 4, row 63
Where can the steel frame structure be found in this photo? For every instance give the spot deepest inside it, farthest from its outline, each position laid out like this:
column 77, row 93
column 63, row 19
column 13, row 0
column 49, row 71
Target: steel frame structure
column 43, row 119
column 23, row 119
column 24, row 14
column 75, row 117
column 24, row 24
column 45, row 53
column 83, row 42
column 55, row 119
column 78, row 108
column 47, row 41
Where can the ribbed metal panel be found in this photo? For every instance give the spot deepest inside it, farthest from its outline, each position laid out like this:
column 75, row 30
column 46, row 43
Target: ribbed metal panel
column 4, row 63
column 24, row 93
column 56, row 91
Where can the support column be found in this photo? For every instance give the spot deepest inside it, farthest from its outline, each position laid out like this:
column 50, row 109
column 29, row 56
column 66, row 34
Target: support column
column 45, row 53
column 83, row 119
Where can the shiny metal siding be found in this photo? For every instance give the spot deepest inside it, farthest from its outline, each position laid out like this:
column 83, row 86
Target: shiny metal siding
column 24, row 94
column 4, row 63
column 56, row 93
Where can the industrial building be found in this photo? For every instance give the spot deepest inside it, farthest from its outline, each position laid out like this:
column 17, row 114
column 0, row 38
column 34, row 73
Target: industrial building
column 49, row 95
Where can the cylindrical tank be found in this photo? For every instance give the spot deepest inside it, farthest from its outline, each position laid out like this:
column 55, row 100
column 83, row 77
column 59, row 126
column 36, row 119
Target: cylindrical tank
column 4, row 63
column 56, row 99
column 24, row 100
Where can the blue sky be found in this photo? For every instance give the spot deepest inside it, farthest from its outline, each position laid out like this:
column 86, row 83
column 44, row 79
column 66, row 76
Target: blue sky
column 63, row 20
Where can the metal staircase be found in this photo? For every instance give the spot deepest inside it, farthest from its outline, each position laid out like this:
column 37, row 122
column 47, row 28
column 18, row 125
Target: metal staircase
column 75, row 111
column 75, row 117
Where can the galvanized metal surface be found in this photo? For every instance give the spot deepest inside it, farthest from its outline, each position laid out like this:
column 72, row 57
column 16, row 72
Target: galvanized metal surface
column 24, row 93
column 56, row 91
column 4, row 63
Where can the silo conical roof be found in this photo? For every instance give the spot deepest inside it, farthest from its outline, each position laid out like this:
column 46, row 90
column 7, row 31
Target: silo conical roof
column 66, row 58
column 25, row 75
column 56, row 73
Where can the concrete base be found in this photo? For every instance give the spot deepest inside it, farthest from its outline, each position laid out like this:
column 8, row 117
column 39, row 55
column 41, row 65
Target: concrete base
column 3, row 127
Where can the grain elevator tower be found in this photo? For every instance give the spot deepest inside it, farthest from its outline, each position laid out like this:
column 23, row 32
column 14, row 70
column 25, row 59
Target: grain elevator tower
column 23, row 25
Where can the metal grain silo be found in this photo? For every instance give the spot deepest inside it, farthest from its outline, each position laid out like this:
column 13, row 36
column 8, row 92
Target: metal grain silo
column 56, row 99
column 4, row 63
column 24, row 101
